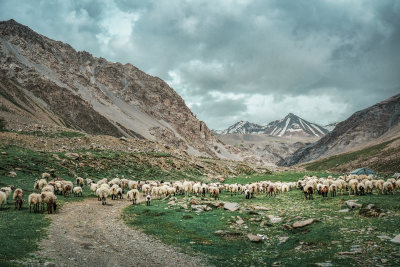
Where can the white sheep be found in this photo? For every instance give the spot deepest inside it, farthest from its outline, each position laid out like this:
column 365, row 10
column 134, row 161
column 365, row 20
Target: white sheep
column 18, row 198
column 388, row 187
column 146, row 189
column 133, row 195
column 148, row 198
column 77, row 191
column 34, row 200
column 79, row 181
column 3, row 199
column 187, row 187
column 103, row 194
column 94, row 187
column 46, row 175
column 308, row 191
column 48, row 188
column 7, row 190
column 233, row 188
column 50, row 200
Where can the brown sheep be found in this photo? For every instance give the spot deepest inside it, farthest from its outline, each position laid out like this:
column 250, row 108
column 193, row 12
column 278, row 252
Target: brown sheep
column 18, row 198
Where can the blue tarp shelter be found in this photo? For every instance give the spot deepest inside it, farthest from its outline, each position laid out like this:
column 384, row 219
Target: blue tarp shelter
column 366, row 171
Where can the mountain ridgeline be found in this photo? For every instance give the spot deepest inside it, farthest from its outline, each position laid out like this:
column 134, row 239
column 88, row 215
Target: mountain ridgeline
column 47, row 82
column 372, row 124
column 291, row 125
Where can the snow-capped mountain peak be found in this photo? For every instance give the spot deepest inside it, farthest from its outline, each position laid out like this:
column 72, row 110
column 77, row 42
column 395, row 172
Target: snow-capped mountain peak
column 290, row 125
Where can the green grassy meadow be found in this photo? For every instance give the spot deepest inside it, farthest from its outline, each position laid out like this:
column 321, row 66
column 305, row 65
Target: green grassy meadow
column 335, row 238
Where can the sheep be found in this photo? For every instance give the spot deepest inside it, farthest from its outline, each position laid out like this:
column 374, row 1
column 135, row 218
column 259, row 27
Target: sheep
column 133, row 195
column 187, row 187
column 148, row 198
column 67, row 188
column 340, row 185
column 34, row 200
column 388, row 187
column 133, row 185
column 18, row 198
column 94, row 187
column 324, row 191
column 247, row 194
column 233, row 188
column 146, row 189
column 333, row 189
column 102, row 181
column 197, row 189
column 204, row 190
column 214, row 192
column 7, row 190
column 368, row 187
column 353, row 186
column 46, row 175
column 103, row 194
column 285, row 188
column 3, row 199
column 42, row 183
column 271, row 190
column 88, row 181
column 360, row 189
column 308, row 191
column 124, row 184
column 79, row 181
column 48, row 188
column 50, row 200
column 114, row 192
column 379, row 185
column 77, row 191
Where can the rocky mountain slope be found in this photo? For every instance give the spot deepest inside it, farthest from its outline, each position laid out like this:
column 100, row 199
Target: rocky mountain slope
column 362, row 128
column 289, row 126
column 47, row 82
column 331, row 126
column 243, row 127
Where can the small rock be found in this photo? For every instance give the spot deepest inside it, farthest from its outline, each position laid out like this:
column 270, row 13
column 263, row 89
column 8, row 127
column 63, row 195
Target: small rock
column 220, row 232
column 396, row 239
column 254, row 238
column 382, row 237
column 352, row 204
column 123, row 138
column 344, row 210
column 49, row 264
column 347, row 218
column 261, row 208
column 302, row 223
column 282, row 239
column 384, row 260
column 231, row 206
column 274, row 219
column 240, row 222
column 195, row 201
column 12, row 174
column 198, row 208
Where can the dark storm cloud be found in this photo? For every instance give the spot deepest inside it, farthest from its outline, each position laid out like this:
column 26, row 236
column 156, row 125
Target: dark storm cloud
column 230, row 60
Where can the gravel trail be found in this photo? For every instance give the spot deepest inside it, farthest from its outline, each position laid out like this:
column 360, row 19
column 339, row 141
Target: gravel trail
column 89, row 234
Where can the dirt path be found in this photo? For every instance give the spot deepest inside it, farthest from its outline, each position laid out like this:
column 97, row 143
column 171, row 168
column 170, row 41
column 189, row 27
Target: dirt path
column 89, row 234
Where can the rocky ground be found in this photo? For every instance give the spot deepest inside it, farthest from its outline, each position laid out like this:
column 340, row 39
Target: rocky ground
column 89, row 234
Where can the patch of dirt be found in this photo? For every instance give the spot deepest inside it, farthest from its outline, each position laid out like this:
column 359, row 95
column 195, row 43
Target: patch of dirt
column 89, row 234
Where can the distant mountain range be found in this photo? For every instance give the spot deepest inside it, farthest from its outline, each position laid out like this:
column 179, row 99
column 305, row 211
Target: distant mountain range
column 291, row 125
column 381, row 120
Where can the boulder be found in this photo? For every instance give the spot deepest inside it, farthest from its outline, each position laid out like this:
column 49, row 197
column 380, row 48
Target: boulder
column 352, row 204
column 274, row 219
column 195, row 201
column 302, row 223
column 396, row 239
column 254, row 238
column 231, row 206
column 198, row 208
column 72, row 155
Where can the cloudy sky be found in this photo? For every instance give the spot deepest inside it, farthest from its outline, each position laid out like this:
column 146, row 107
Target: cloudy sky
column 233, row 60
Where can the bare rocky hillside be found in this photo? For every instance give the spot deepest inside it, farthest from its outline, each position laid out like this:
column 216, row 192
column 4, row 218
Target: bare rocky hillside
column 47, row 82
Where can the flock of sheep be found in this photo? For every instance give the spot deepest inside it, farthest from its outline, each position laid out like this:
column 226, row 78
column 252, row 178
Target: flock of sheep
column 47, row 190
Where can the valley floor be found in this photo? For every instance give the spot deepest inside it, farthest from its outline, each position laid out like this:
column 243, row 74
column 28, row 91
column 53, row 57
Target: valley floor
column 89, row 234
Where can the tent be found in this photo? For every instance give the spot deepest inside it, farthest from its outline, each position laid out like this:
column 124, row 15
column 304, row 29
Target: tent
column 366, row 171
